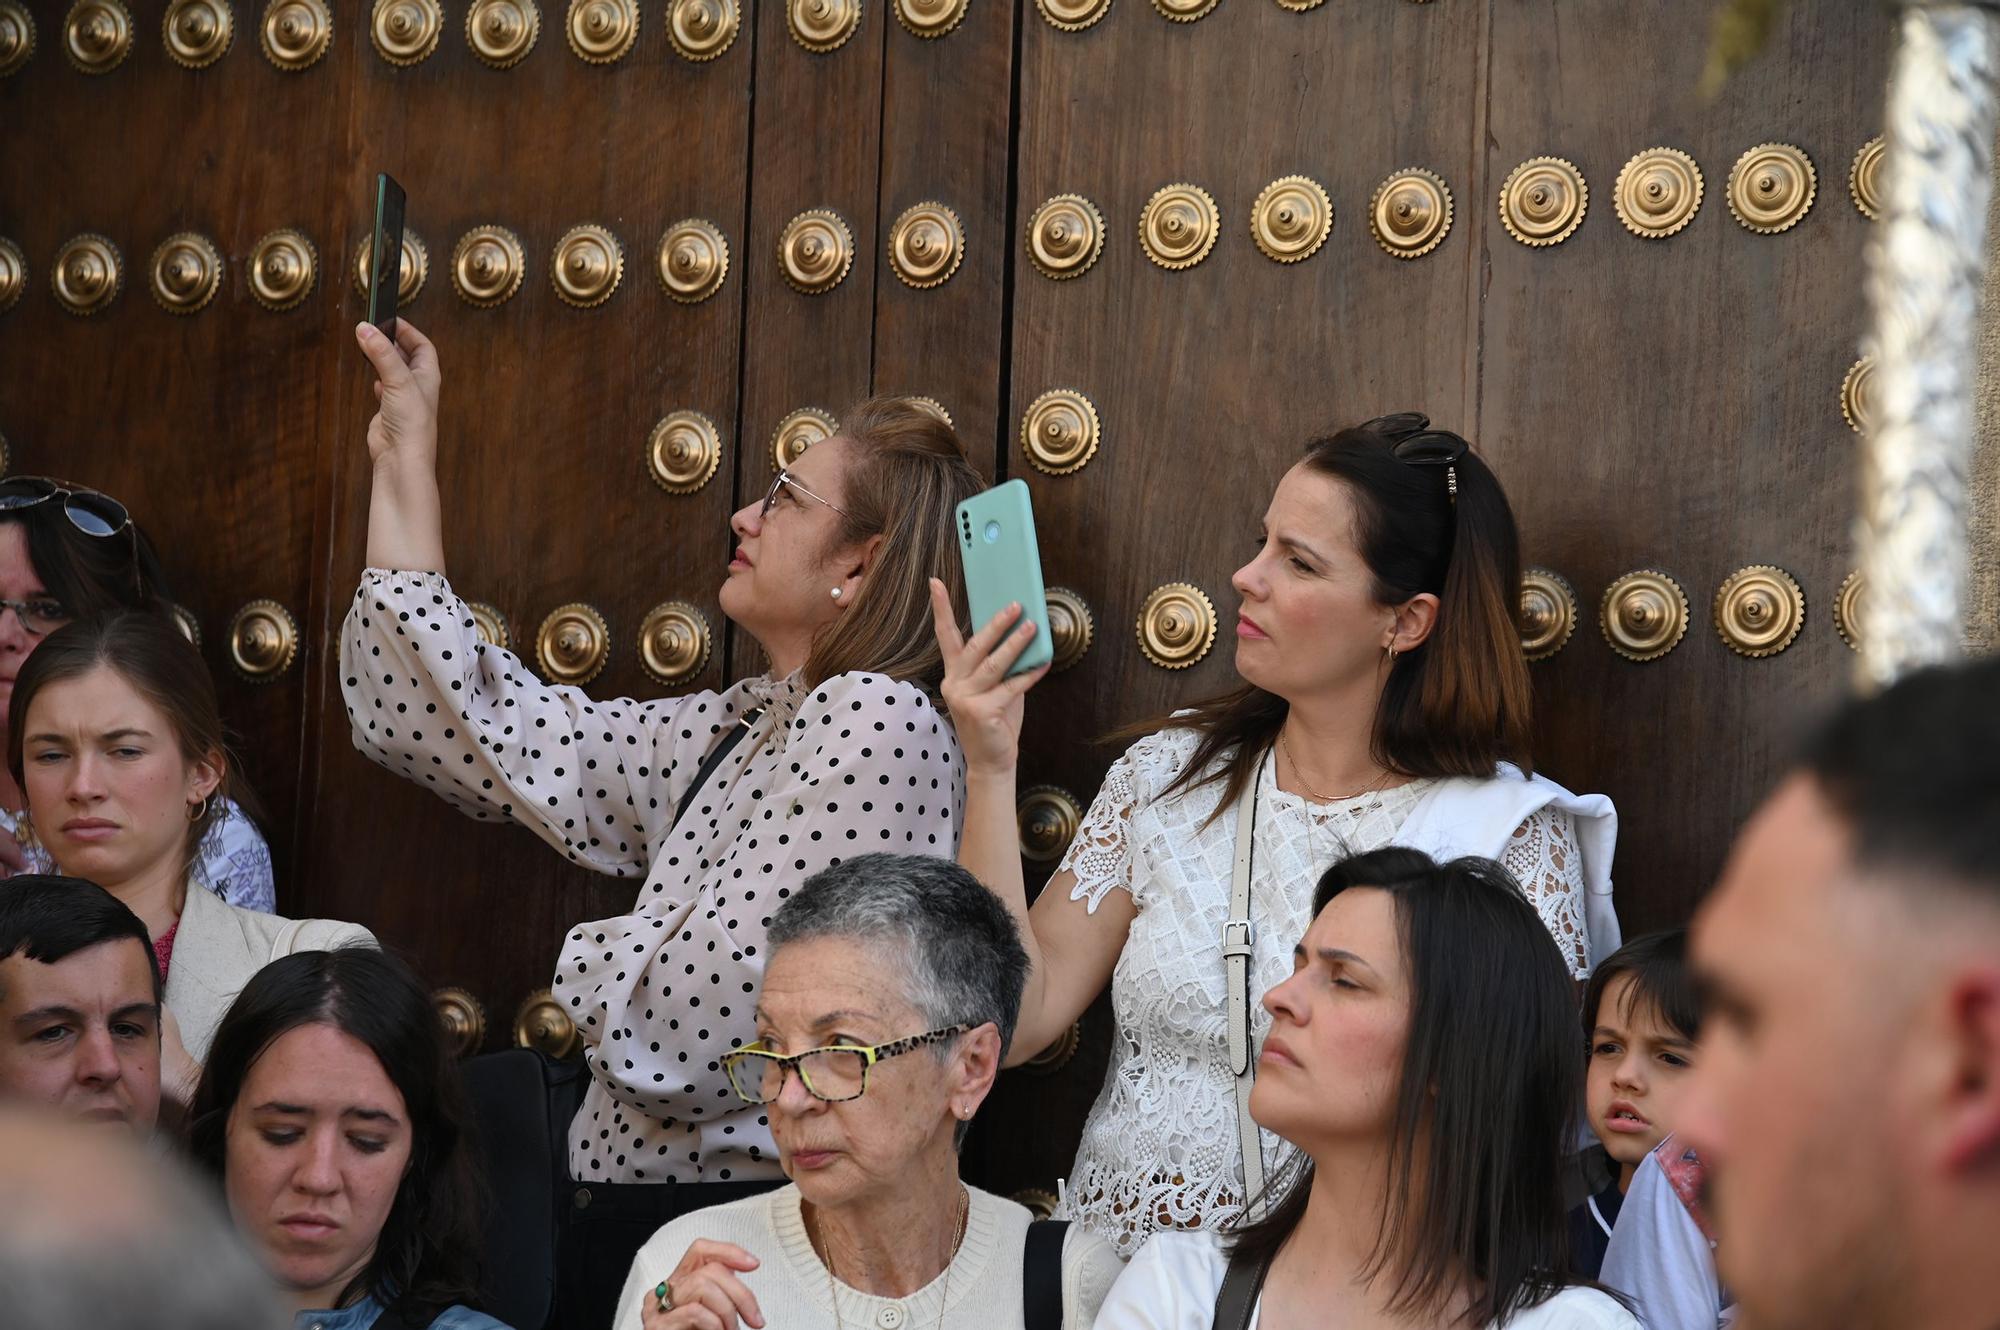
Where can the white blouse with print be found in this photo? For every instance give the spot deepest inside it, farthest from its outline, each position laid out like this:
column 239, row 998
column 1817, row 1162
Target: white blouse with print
column 1160, row 1147
column 861, row 763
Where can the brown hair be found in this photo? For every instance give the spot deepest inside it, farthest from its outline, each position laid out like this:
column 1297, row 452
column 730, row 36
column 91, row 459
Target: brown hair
column 910, row 477
column 1458, row 704
column 147, row 651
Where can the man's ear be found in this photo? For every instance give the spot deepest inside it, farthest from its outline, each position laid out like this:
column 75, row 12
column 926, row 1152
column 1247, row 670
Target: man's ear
column 1969, row 1098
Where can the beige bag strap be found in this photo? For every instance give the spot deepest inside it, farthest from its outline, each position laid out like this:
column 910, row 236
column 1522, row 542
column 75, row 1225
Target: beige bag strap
column 1236, row 953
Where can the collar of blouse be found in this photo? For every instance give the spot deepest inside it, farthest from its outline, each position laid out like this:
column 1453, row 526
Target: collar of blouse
column 779, row 699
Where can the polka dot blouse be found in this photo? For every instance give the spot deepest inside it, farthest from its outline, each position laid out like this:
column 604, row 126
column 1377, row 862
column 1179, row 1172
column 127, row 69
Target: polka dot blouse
column 860, row 763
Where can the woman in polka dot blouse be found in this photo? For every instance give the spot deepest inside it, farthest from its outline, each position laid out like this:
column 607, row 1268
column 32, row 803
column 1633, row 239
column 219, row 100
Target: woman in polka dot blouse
column 844, row 752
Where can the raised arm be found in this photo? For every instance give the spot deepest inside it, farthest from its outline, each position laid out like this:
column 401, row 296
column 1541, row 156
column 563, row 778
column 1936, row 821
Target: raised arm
column 1071, row 947
column 405, row 521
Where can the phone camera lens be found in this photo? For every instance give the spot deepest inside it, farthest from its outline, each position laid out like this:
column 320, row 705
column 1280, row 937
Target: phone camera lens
column 992, row 532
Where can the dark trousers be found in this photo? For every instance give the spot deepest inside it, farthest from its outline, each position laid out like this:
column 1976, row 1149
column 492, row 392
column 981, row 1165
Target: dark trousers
column 604, row 1224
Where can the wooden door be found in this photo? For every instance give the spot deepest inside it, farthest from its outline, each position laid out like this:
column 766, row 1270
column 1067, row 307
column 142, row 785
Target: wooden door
column 1668, row 404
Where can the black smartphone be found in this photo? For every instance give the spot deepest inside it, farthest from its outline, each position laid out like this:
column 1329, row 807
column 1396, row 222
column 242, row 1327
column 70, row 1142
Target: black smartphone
column 385, row 275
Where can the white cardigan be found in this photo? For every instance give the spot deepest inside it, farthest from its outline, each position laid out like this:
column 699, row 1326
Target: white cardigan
column 1463, row 816
column 795, row 1292
column 218, row 947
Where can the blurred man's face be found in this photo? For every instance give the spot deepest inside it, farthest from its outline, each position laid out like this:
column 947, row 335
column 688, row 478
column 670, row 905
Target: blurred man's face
column 1812, row 977
column 83, row 1035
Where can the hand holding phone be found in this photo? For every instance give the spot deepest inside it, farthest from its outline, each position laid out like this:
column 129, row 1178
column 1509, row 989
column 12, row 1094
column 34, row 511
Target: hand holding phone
column 1003, row 565
column 385, row 275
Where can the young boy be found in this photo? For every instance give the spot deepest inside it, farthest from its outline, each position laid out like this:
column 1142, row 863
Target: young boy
column 1641, row 1017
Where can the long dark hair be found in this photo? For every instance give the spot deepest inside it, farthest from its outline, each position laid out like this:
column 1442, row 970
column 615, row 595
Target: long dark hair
column 426, row 1257
column 1487, row 1101
column 147, row 651
column 1458, row 704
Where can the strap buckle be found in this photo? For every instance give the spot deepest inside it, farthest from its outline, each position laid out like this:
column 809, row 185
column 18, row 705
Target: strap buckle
column 1236, row 938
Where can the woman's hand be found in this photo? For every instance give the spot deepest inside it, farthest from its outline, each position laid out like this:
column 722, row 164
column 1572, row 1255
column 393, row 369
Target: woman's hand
column 704, row 1293
column 405, row 518
column 985, row 705
column 406, row 388
column 179, row 1072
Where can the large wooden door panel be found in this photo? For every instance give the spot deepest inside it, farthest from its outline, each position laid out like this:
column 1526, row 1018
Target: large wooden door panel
column 546, row 413
column 1675, row 404
column 206, row 425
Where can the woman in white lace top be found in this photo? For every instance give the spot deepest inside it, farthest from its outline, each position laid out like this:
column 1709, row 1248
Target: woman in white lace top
column 838, row 750
column 1385, row 701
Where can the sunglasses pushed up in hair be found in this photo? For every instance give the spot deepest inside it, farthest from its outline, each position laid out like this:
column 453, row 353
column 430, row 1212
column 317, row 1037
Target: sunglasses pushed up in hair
column 88, row 511
column 93, row 514
column 1415, row 443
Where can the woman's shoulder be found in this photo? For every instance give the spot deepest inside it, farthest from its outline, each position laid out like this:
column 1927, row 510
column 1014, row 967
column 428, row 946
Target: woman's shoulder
column 1170, row 1284
column 1576, row 1308
column 208, row 917
column 458, row 1316
column 1155, row 759
column 860, row 689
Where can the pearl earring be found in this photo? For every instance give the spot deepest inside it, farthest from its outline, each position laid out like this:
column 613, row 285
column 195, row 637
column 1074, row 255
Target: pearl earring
column 836, row 593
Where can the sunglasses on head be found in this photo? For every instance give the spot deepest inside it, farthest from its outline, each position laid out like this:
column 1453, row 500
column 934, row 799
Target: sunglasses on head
column 90, row 512
column 1415, row 443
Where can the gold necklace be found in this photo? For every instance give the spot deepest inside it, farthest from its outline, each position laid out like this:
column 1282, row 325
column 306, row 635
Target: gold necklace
column 825, row 1249
column 1374, row 787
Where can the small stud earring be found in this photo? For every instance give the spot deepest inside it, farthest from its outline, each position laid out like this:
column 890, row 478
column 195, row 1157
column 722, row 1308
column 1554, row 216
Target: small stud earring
column 836, row 593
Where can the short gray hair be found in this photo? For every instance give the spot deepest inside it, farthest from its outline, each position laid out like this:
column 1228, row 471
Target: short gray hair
column 97, row 1230
column 961, row 952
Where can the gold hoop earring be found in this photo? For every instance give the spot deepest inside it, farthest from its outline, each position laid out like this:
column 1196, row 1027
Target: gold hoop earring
column 1390, row 653
column 196, row 812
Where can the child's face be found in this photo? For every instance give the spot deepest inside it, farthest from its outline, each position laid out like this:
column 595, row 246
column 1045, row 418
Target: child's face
column 1638, row 1067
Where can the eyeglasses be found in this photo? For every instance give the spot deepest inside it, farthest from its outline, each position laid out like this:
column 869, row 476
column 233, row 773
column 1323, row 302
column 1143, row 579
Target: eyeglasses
column 1415, row 443
column 834, row 1075
column 781, row 481
column 40, row 616
column 88, row 511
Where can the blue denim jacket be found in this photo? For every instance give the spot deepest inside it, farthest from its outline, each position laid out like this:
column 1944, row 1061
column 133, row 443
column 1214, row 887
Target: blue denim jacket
column 363, row 1315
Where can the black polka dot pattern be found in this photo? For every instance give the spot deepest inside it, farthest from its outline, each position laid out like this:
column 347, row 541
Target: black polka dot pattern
column 860, row 763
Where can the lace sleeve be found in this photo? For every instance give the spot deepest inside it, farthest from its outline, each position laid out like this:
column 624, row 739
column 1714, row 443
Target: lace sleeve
column 1101, row 856
column 1544, row 858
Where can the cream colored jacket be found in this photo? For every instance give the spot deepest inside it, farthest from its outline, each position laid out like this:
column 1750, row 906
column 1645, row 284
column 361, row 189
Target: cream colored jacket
column 218, row 947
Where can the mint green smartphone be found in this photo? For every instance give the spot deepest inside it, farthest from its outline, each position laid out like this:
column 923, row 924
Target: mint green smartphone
column 1003, row 564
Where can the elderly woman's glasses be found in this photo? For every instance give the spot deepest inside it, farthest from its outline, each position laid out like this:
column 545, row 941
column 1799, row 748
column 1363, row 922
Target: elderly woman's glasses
column 783, row 480
column 834, row 1074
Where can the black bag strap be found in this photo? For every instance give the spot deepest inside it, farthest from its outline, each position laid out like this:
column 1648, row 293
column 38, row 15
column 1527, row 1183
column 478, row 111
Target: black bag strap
column 1236, row 1301
column 714, row 760
column 1041, row 1274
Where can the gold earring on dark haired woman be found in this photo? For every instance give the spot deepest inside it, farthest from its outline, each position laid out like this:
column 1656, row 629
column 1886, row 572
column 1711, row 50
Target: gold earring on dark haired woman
column 196, row 812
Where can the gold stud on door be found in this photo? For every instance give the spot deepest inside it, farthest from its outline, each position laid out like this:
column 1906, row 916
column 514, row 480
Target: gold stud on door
column 573, row 644
column 197, row 33
column 88, row 274
column 186, row 272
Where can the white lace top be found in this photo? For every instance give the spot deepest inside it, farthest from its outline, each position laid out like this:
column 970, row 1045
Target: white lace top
column 1160, row 1148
